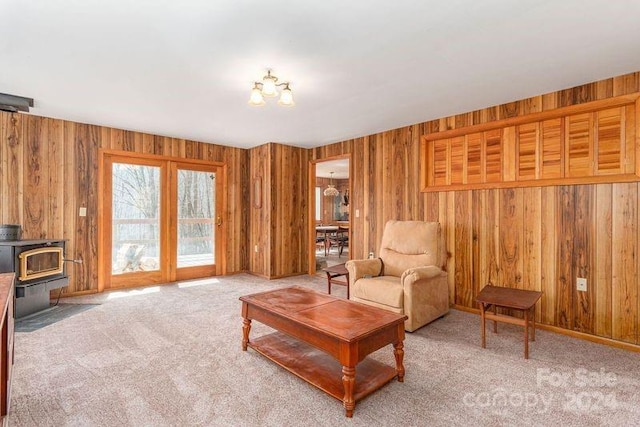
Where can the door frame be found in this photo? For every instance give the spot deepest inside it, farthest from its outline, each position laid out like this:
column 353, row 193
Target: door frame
column 311, row 204
column 169, row 274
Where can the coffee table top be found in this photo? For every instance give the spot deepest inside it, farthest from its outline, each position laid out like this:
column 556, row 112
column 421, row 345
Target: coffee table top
column 346, row 320
column 508, row 297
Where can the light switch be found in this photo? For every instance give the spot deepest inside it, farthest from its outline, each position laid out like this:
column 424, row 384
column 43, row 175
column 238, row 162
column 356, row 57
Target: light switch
column 83, row 211
column 357, row 213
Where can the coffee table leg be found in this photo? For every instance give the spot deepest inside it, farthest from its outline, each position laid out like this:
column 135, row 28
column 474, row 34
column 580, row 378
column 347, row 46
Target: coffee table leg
column 348, row 380
column 328, row 283
column 482, row 326
column 398, row 352
column 526, row 334
column 246, row 327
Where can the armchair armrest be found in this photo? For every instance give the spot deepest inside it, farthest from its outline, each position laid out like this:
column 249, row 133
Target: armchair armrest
column 421, row 273
column 364, row 267
column 426, row 295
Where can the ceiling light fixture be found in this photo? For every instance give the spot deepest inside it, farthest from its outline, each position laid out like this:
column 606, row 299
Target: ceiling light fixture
column 331, row 190
column 268, row 87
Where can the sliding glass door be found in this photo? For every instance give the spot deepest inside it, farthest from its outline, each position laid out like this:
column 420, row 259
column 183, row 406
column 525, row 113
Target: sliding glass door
column 160, row 221
column 197, row 219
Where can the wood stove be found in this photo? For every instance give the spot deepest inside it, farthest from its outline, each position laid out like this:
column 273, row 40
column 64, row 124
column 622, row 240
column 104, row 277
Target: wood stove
column 39, row 268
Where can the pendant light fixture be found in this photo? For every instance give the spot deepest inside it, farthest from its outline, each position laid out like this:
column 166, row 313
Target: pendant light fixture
column 331, row 190
column 268, row 87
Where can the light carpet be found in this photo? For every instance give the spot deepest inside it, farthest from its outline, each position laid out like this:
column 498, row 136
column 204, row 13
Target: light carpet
column 171, row 356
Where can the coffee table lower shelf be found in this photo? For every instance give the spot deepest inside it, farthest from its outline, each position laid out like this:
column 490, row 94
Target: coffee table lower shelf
column 318, row 368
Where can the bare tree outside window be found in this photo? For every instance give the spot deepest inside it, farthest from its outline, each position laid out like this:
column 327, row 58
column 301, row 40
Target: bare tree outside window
column 196, row 217
column 136, row 218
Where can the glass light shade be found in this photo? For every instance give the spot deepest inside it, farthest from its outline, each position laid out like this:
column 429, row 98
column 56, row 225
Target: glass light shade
column 331, row 191
column 269, row 86
column 286, row 97
column 256, row 97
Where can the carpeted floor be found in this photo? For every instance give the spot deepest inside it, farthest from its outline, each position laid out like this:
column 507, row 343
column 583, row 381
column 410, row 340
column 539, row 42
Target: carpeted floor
column 49, row 316
column 171, row 356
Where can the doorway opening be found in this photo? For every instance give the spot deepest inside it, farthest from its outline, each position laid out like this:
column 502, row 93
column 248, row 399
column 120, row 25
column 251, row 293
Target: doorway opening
column 330, row 208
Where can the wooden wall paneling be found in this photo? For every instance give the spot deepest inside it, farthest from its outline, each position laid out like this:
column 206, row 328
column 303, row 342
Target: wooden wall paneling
column 477, row 208
column 531, row 105
column 384, row 161
column 463, row 238
column 557, row 207
column 356, row 201
column 431, row 204
column 56, row 173
column 604, row 89
column 259, row 235
column 625, row 262
column 449, row 223
column 510, row 243
column 532, row 241
column 86, row 154
column 378, row 179
column 583, row 258
column 601, row 229
column 627, row 83
column 565, row 218
column 13, row 185
column 70, row 209
column 412, row 166
column 36, row 177
column 549, row 244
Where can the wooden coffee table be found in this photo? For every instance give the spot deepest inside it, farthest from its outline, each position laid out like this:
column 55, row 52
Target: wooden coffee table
column 322, row 338
column 516, row 299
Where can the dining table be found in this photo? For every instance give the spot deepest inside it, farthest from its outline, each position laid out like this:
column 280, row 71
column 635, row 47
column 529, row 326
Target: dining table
column 326, row 231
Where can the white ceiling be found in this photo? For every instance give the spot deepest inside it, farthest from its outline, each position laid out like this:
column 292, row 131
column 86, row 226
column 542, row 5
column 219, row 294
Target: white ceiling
column 185, row 68
column 340, row 169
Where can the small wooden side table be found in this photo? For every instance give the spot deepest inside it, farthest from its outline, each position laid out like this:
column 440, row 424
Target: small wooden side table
column 333, row 273
column 516, row 299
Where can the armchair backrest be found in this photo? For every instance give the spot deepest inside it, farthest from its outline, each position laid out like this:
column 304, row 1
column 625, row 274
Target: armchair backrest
column 409, row 244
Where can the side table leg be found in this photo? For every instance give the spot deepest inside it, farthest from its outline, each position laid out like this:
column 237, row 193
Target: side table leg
column 495, row 322
column 246, row 327
column 482, row 326
column 348, row 380
column 526, row 334
column 398, row 352
column 533, row 324
column 328, row 283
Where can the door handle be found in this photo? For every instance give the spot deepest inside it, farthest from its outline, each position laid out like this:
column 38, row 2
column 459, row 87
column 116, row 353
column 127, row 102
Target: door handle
column 219, row 221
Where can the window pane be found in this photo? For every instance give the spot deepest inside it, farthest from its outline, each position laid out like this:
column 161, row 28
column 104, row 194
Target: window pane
column 196, row 214
column 318, row 203
column 136, row 218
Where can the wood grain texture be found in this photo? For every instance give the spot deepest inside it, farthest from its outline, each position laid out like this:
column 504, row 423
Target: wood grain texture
column 49, row 169
column 544, row 236
column 278, row 228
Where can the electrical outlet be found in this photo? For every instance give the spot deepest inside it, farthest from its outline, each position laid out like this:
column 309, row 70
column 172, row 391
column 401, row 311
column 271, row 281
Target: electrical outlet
column 581, row 284
column 82, row 211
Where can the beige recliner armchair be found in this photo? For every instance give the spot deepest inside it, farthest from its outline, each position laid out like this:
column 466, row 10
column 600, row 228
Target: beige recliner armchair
column 409, row 277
